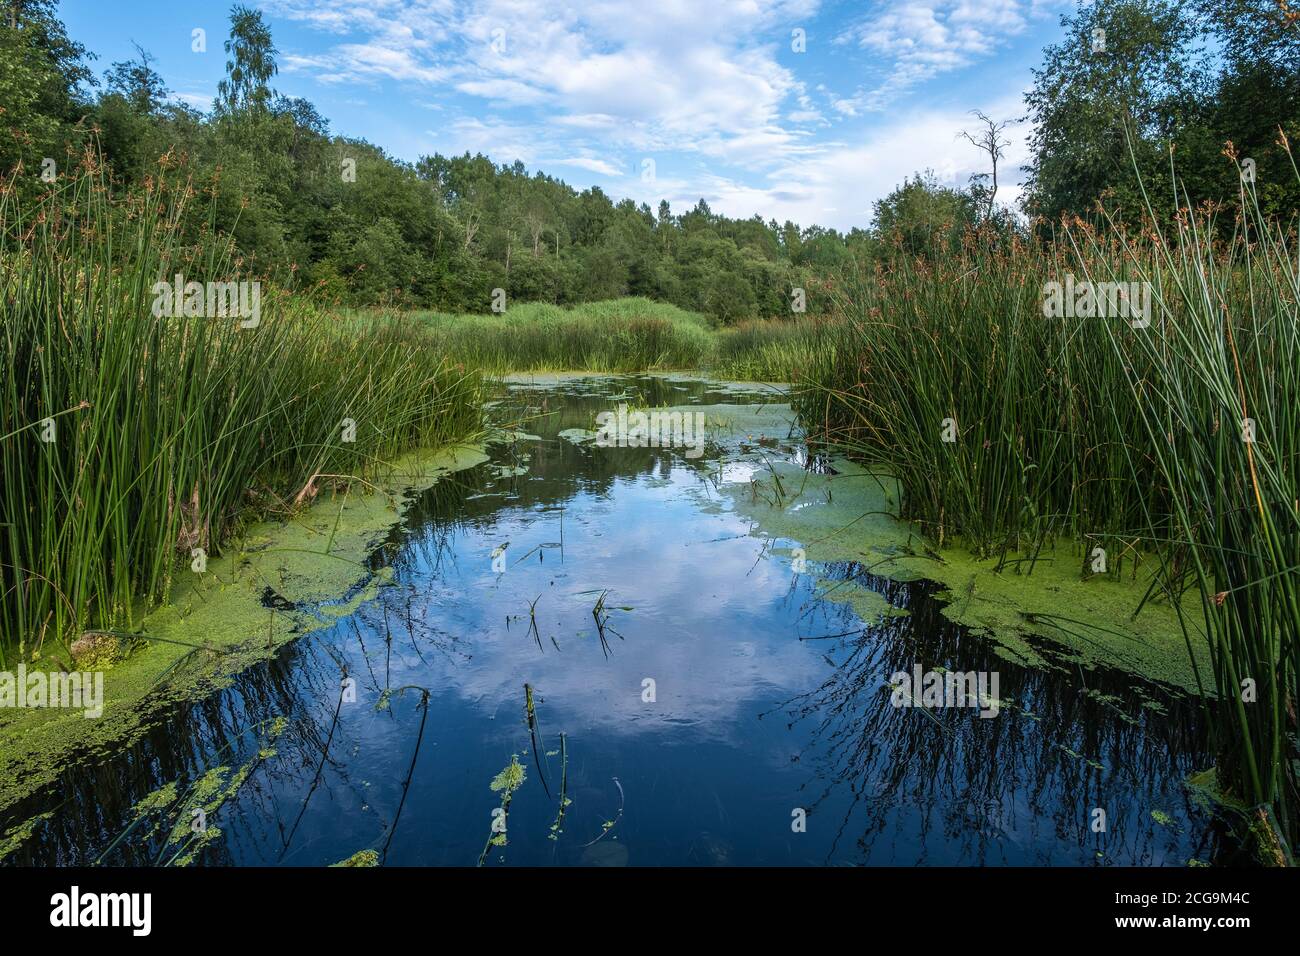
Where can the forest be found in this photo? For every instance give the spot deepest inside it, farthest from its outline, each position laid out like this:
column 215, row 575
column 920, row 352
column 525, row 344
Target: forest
column 314, row 210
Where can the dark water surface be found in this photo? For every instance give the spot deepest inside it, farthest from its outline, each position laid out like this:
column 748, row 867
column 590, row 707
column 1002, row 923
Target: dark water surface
column 749, row 724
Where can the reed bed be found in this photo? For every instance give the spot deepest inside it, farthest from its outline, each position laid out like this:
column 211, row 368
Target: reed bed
column 626, row 335
column 771, row 350
column 1176, row 440
column 128, row 440
column 960, row 350
column 1218, row 397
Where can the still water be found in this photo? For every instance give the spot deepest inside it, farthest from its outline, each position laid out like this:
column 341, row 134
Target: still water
column 710, row 700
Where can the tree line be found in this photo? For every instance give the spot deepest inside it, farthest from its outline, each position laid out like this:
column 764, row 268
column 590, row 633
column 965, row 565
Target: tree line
column 1214, row 81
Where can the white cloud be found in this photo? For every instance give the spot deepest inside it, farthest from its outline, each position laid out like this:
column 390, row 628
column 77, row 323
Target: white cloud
column 917, row 40
column 200, row 101
column 504, row 142
column 700, row 87
column 837, row 186
column 364, row 63
column 508, row 92
column 673, row 75
column 592, row 164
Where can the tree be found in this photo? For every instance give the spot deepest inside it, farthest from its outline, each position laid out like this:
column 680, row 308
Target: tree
column 41, row 74
column 1256, row 100
column 137, row 82
column 730, row 297
column 989, row 139
column 250, row 66
column 1105, row 102
column 442, row 233
column 1256, row 31
column 537, row 216
column 129, row 116
column 922, row 217
column 1204, row 84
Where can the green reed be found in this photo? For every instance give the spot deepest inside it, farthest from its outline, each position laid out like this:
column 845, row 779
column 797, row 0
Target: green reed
column 1108, row 431
column 960, row 350
column 1219, row 402
column 627, row 335
column 129, row 440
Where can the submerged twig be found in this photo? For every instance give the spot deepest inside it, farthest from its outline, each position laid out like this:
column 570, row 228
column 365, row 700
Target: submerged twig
column 324, row 756
column 406, row 784
column 558, row 826
column 610, row 824
column 530, row 710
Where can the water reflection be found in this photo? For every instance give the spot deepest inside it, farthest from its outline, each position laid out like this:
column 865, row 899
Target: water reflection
column 1019, row 789
column 767, row 699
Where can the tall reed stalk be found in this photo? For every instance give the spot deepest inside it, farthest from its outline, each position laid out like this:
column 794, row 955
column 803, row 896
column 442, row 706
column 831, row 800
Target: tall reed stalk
column 1177, row 440
column 1219, row 400
column 128, row 439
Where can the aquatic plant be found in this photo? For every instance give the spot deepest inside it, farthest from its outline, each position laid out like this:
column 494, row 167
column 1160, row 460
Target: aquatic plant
column 607, row 827
column 530, row 714
column 506, row 783
column 600, row 613
column 362, row 858
column 180, row 816
column 557, row 827
column 1166, row 435
column 134, row 444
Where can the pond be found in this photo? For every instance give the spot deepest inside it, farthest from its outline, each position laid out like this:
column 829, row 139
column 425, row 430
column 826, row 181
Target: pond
column 697, row 696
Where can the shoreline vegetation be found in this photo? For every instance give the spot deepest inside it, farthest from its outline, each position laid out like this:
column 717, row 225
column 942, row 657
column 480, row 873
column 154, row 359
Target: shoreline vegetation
column 1170, row 439
column 630, row 334
column 147, row 457
column 1010, row 434
column 278, row 581
column 133, row 443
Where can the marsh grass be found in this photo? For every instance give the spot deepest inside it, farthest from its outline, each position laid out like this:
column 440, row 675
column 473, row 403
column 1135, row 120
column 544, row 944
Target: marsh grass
column 168, row 434
column 962, row 346
column 771, row 350
column 622, row 335
column 1098, row 433
column 1219, row 405
column 626, row 335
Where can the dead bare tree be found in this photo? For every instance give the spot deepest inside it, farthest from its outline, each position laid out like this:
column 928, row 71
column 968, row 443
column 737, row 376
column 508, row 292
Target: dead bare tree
column 989, row 138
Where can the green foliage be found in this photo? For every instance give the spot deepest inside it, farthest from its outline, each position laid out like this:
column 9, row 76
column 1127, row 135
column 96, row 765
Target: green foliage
column 445, row 232
column 138, row 83
column 442, row 233
column 622, row 335
column 251, row 64
column 130, row 438
column 1214, row 81
column 1176, row 441
column 924, row 218
column 41, row 73
column 625, row 335
column 772, row 350
column 362, row 858
column 510, row 779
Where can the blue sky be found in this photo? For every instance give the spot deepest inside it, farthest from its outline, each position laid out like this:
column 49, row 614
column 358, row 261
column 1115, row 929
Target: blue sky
column 676, row 100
